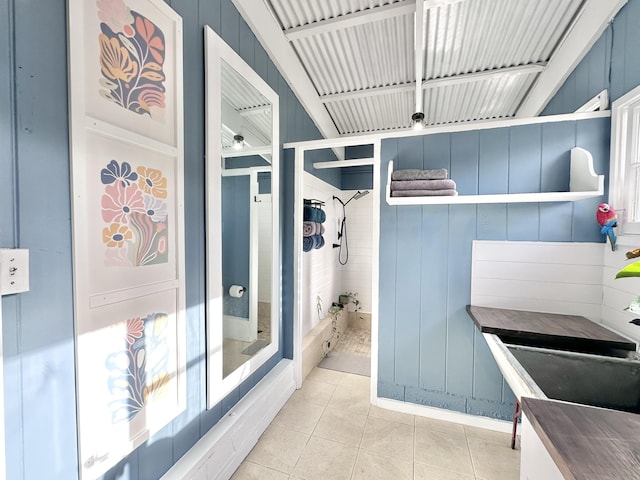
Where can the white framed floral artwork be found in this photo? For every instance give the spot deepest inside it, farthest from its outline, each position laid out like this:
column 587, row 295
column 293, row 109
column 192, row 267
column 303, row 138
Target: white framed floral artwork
column 131, row 380
column 127, row 140
column 130, row 78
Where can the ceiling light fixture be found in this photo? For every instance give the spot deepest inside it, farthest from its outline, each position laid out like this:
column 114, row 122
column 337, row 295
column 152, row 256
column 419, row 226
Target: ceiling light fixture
column 238, row 142
column 417, row 120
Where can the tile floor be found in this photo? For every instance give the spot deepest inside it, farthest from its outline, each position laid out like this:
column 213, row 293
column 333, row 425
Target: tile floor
column 329, row 431
column 356, row 341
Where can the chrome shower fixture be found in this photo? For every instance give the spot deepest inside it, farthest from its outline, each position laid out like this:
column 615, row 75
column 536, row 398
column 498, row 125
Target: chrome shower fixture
column 342, row 234
column 356, row 196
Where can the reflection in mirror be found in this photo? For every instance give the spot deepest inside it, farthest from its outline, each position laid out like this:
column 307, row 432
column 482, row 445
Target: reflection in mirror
column 243, row 281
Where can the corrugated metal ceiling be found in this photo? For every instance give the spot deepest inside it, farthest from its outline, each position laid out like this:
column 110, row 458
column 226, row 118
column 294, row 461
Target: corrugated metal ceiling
column 479, row 57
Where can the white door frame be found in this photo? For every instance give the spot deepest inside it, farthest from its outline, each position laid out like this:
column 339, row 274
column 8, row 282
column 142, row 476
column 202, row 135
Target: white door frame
column 300, row 149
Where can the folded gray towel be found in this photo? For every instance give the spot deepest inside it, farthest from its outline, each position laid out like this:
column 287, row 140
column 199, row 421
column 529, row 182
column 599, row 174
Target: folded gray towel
column 415, row 174
column 424, row 193
column 445, row 184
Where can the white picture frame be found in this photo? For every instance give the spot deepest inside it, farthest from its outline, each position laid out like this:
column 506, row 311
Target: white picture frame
column 127, row 179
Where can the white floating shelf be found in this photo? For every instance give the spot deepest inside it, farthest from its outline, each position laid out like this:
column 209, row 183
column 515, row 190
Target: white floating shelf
column 583, row 182
column 344, row 163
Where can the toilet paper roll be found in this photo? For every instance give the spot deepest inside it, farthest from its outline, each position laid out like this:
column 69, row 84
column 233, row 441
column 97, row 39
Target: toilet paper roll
column 236, row 291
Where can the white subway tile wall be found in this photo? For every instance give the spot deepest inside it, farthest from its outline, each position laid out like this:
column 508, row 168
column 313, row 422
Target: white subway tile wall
column 322, row 274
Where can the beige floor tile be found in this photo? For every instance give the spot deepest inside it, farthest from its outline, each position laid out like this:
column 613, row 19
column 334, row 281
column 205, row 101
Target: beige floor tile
column 299, row 416
column 352, row 398
column 358, row 381
column 314, row 392
column 440, row 425
column 253, row 471
column 373, row 466
column 341, row 426
column 323, row 460
column 279, row 449
column 391, row 415
column 429, row 472
column 493, row 461
column 325, row 375
column 488, row 435
column 389, row 438
column 444, row 450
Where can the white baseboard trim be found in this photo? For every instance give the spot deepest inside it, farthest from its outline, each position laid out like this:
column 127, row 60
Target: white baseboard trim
column 222, row 449
column 446, row 415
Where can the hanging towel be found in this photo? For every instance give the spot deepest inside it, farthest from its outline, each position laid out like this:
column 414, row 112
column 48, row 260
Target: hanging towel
column 415, row 174
column 445, row 184
column 319, row 229
column 308, row 213
column 313, row 214
column 307, row 244
column 318, row 241
column 309, row 228
column 424, row 193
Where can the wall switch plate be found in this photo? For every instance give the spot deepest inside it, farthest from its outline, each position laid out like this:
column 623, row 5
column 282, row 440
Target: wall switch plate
column 14, row 270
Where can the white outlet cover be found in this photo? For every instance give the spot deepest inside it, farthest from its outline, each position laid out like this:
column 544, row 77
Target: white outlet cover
column 14, row 270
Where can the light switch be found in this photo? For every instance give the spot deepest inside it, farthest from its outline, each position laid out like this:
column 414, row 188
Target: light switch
column 14, row 270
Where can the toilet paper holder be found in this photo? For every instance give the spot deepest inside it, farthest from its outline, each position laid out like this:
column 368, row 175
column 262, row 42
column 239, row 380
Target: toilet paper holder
column 237, row 290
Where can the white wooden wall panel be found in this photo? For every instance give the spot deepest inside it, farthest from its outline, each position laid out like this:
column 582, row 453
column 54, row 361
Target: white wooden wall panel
column 619, row 293
column 321, row 276
column 356, row 274
column 557, row 277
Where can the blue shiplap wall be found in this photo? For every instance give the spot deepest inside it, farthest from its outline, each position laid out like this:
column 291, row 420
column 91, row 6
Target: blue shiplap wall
column 35, row 213
column 429, row 350
column 612, row 63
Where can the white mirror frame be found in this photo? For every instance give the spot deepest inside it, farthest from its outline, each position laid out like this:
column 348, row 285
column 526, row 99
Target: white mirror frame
column 216, row 50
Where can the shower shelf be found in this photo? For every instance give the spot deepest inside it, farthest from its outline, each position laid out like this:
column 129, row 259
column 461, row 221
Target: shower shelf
column 583, row 183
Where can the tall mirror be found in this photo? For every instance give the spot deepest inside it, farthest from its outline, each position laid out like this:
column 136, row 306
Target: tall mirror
column 243, row 283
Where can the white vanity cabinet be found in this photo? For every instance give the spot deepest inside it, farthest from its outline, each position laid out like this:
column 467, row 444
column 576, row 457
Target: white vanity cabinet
column 535, row 461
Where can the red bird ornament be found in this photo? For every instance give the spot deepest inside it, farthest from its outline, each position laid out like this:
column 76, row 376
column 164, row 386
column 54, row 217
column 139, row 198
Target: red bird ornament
column 607, row 219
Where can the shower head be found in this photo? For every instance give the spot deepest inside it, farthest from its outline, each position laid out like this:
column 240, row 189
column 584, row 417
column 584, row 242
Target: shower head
column 357, row 196
column 360, row 194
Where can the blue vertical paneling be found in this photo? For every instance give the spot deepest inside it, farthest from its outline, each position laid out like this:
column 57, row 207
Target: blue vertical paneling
column 13, row 412
column 611, row 63
column 434, row 291
column 247, row 43
column 619, row 42
column 45, row 334
column 187, row 425
column 464, row 162
column 437, row 151
column 493, row 163
column 456, row 369
column 409, row 154
column 407, row 291
column 492, row 222
column 593, row 135
column 38, row 325
column 261, row 68
column 209, row 12
column 632, row 41
column 556, row 218
column 487, row 379
column 407, row 284
column 229, row 24
column 387, row 269
column 524, row 158
column 524, row 177
column 462, row 229
column 493, row 178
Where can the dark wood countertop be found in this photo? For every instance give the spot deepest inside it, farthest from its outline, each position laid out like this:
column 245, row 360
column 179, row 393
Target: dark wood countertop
column 545, row 326
column 587, row 443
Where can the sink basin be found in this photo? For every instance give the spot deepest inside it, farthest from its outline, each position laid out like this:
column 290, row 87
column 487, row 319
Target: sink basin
column 597, row 380
column 570, row 345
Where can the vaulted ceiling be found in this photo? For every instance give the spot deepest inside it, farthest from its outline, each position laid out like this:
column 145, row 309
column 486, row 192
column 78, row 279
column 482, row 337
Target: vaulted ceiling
column 362, row 66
